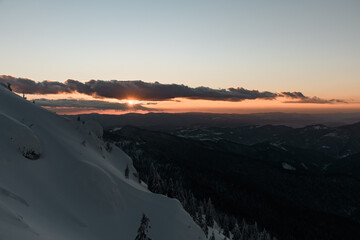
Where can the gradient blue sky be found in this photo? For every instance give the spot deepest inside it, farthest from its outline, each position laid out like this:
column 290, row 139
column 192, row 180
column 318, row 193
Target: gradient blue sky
column 280, row 45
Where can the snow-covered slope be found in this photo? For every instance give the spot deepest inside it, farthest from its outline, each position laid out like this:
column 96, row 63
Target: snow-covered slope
column 59, row 181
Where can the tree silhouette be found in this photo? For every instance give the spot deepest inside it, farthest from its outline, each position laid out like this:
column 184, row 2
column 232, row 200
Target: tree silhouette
column 143, row 229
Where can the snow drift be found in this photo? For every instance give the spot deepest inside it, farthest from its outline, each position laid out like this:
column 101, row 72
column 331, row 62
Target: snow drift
column 58, row 180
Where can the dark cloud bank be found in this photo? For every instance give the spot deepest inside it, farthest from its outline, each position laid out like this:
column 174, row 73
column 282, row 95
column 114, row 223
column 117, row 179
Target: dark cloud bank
column 151, row 91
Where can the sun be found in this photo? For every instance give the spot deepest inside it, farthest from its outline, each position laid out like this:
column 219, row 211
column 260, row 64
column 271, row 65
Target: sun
column 131, row 102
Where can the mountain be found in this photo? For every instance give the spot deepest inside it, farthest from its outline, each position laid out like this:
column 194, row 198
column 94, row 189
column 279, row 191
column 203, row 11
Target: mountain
column 59, row 180
column 174, row 121
column 348, row 166
column 334, row 142
column 284, row 188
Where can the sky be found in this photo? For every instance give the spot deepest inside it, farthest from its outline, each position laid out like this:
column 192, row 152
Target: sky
column 312, row 47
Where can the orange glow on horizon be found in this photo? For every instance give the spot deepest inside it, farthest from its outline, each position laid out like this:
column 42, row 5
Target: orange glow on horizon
column 187, row 105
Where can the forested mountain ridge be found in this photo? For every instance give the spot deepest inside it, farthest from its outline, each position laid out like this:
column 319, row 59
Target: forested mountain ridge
column 286, row 189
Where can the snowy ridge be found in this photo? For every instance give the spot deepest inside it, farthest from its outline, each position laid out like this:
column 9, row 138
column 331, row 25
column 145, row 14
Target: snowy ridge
column 58, row 180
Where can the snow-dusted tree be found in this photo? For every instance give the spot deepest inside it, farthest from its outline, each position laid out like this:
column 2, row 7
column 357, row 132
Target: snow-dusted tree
column 201, row 221
column 170, row 189
column 138, row 177
column 209, row 212
column 180, row 192
column 143, row 229
column 154, row 180
column 108, row 147
column 192, row 206
column 127, row 171
column 245, row 232
column 236, row 233
column 225, row 224
column 212, row 236
column 232, row 222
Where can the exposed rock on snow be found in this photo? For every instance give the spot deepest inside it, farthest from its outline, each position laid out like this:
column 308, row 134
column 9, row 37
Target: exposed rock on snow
column 16, row 135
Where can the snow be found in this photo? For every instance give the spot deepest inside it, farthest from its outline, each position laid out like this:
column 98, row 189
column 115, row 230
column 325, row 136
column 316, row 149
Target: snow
column 76, row 189
column 115, row 129
column 18, row 136
column 287, row 166
column 325, row 167
column 331, row 134
column 319, row 127
column 278, row 146
column 304, row 166
column 345, row 155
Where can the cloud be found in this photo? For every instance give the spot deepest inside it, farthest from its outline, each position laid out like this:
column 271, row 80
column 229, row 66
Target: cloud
column 28, row 86
column 292, row 94
column 160, row 92
column 317, row 100
column 89, row 104
column 133, row 90
column 301, row 98
column 151, row 91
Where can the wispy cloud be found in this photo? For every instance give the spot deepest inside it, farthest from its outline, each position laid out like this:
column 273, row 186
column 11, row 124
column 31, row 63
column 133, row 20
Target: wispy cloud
column 300, row 98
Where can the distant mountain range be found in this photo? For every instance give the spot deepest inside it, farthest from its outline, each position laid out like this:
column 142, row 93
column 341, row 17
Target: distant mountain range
column 337, row 142
column 298, row 183
column 297, row 175
column 172, row 121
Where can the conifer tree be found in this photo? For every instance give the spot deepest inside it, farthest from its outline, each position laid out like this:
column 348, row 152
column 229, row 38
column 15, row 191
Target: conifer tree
column 127, row 171
column 192, row 206
column 201, row 221
column 138, row 176
column 179, row 192
column 236, row 233
column 212, row 236
column 226, row 227
column 143, row 229
column 170, row 189
column 154, row 180
column 209, row 211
